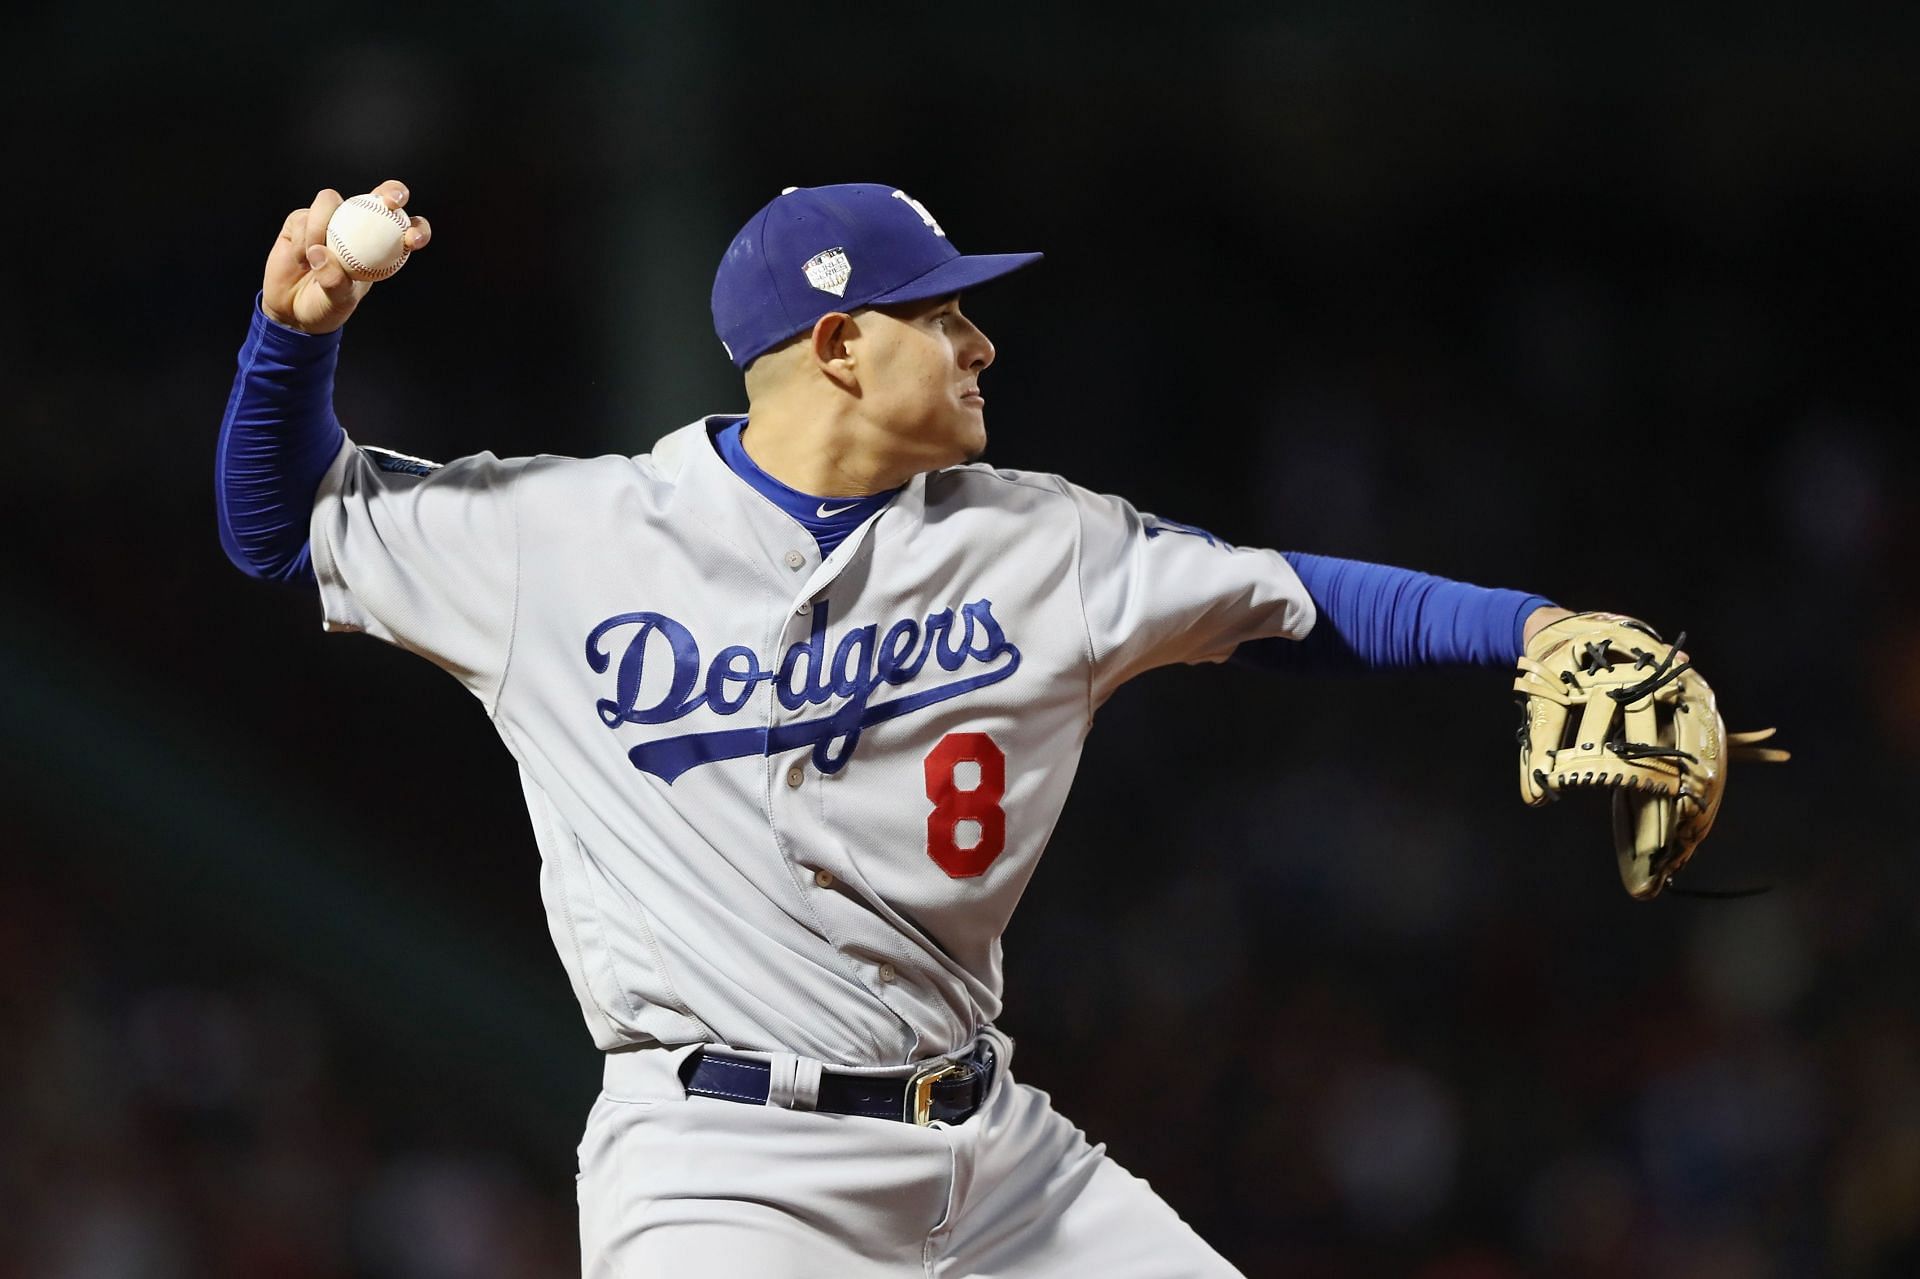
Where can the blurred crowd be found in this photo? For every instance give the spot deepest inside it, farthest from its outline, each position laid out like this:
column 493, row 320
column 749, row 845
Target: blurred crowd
column 1413, row 1081
column 154, row 1125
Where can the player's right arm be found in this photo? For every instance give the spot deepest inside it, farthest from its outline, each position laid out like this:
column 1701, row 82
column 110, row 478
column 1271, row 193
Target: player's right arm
column 279, row 434
column 412, row 553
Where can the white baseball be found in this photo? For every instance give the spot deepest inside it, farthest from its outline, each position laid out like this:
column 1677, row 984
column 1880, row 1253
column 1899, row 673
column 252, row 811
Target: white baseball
column 370, row 238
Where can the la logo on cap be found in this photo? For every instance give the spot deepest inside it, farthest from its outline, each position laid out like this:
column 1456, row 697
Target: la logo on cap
column 921, row 209
column 828, row 271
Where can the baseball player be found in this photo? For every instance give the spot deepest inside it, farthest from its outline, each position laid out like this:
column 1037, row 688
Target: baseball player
column 796, row 699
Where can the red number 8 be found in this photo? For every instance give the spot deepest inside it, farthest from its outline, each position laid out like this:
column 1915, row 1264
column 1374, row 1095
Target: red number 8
column 951, row 805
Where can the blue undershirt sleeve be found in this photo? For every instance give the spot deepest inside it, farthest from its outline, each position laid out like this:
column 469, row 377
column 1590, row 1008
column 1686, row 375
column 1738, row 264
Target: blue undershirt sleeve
column 277, row 439
column 1372, row 616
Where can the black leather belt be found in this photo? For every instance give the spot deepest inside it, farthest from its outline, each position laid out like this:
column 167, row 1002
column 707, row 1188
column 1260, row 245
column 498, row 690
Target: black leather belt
column 949, row 1091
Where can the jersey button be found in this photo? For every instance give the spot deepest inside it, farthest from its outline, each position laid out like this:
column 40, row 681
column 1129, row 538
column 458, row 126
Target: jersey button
column 796, row 775
column 823, row 878
column 804, row 608
column 795, row 559
column 887, row 973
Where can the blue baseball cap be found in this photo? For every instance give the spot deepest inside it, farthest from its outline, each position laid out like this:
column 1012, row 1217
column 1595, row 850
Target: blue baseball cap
column 812, row 250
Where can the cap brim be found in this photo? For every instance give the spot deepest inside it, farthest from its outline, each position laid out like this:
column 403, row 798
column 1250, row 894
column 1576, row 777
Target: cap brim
column 956, row 275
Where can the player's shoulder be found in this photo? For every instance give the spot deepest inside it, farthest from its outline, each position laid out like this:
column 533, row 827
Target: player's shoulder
column 471, row 467
column 1033, row 491
column 657, row 468
column 980, row 482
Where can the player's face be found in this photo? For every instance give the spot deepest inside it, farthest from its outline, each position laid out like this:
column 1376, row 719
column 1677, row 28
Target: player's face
column 921, row 380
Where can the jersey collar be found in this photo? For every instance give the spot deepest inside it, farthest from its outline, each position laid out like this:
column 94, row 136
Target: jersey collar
column 707, row 490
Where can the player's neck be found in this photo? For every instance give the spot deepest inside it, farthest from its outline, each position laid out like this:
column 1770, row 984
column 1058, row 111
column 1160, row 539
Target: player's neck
column 835, row 460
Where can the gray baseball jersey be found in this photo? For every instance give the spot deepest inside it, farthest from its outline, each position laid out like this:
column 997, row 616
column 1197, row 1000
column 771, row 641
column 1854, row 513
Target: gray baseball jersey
column 782, row 803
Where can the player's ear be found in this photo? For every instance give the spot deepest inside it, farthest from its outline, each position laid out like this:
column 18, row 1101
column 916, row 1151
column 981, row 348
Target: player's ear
column 832, row 338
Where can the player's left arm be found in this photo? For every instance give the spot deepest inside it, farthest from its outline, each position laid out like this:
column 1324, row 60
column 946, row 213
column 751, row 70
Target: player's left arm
column 1158, row 591
column 1378, row 617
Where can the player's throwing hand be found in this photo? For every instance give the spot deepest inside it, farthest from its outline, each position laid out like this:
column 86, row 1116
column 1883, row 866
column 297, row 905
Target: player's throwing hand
column 305, row 286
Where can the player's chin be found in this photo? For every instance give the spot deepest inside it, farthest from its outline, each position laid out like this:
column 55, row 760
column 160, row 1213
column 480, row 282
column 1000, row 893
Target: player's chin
column 973, row 442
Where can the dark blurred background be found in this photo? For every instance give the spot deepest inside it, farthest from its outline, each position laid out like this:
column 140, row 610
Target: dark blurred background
column 1610, row 305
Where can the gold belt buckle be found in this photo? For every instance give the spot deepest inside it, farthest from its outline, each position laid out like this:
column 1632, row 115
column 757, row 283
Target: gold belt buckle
column 919, row 1107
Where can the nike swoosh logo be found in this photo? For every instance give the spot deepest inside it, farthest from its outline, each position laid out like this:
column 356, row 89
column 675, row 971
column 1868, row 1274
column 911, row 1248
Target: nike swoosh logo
column 826, row 514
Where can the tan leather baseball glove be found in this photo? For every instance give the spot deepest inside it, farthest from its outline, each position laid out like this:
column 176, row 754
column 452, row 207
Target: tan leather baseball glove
column 1609, row 704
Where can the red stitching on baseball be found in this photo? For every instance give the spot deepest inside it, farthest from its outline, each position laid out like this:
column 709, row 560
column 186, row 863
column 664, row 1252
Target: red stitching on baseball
column 353, row 263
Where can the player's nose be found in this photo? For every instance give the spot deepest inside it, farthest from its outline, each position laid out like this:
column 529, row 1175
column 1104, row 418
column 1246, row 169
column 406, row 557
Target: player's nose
column 977, row 351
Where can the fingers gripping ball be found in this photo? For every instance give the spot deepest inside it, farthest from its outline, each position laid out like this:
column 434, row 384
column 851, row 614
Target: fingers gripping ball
column 369, row 238
column 1610, row 706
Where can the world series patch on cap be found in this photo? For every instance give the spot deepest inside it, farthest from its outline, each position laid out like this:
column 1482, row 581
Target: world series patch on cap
column 812, row 250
